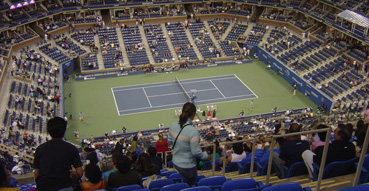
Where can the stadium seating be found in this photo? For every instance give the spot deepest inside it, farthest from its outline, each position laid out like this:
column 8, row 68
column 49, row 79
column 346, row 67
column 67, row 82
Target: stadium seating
column 334, row 169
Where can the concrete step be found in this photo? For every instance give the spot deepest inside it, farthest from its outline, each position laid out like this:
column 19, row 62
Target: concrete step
column 146, row 44
column 122, row 47
column 100, row 60
column 189, row 36
column 169, row 42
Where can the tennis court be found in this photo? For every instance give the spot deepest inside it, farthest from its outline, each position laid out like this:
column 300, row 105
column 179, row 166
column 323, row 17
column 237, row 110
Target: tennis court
column 168, row 95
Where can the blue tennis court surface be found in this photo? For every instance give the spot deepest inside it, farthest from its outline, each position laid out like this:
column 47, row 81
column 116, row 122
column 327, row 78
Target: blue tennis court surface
column 168, row 95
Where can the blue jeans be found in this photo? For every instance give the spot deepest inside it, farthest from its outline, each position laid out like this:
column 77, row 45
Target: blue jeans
column 189, row 175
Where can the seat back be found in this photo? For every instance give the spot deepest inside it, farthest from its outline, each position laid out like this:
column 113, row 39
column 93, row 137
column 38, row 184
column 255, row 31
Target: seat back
column 231, row 167
column 168, row 173
column 176, row 177
column 290, row 186
column 297, row 169
column 128, row 188
column 364, row 176
column 199, row 188
column 242, row 183
column 175, row 187
column 340, row 168
column 356, row 188
column 158, row 184
column 207, row 166
column 212, row 181
column 199, row 177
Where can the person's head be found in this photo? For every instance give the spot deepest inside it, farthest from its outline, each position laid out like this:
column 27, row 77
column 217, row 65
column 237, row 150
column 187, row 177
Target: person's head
column 238, row 148
column 133, row 156
column 122, row 163
column 322, row 135
column 93, row 173
column 359, row 124
column 343, row 133
column 160, row 135
column 56, row 127
column 135, row 138
column 188, row 112
column 4, row 175
column 361, row 135
column 144, row 161
column 151, row 151
column 295, row 128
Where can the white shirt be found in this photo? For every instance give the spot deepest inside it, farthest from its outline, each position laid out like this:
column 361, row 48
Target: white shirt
column 238, row 158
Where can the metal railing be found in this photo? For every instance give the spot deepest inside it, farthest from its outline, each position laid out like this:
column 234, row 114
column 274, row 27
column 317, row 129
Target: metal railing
column 362, row 158
column 325, row 150
column 204, row 146
column 252, row 157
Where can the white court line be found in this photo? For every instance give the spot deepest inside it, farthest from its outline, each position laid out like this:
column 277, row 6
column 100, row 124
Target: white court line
column 217, row 89
column 206, row 80
column 180, row 93
column 182, row 103
column 147, row 97
column 246, row 85
column 115, row 101
column 139, row 87
column 152, row 107
column 215, row 77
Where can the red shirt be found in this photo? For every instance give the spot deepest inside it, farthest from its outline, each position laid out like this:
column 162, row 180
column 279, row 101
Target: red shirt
column 161, row 147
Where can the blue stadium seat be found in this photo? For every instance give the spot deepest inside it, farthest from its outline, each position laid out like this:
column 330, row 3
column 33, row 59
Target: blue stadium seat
column 356, row 188
column 158, row 184
column 175, row 187
column 243, row 183
column 128, row 188
column 214, row 182
column 334, row 169
column 290, row 186
column 199, row 188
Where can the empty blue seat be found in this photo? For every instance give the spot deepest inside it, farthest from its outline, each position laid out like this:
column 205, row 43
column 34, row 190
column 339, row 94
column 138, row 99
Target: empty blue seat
column 175, row 187
column 214, row 182
column 128, row 188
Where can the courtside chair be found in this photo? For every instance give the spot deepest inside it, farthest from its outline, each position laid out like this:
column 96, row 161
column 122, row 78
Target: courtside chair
column 199, row 188
column 158, row 184
column 214, row 182
column 356, row 188
column 290, row 186
column 175, row 187
column 128, row 188
column 243, row 184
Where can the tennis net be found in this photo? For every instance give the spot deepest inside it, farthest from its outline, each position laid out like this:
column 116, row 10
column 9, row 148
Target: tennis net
column 183, row 90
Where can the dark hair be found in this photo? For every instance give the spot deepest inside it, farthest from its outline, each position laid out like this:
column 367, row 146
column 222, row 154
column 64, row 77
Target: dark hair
column 3, row 176
column 295, row 128
column 361, row 135
column 322, row 135
column 151, row 151
column 56, row 127
column 144, row 165
column 133, row 156
column 93, row 173
column 135, row 138
column 344, row 132
column 238, row 148
column 123, row 164
column 115, row 157
column 188, row 110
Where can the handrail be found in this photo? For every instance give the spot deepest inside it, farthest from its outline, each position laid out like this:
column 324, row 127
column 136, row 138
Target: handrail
column 322, row 164
column 252, row 157
column 208, row 145
column 362, row 158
